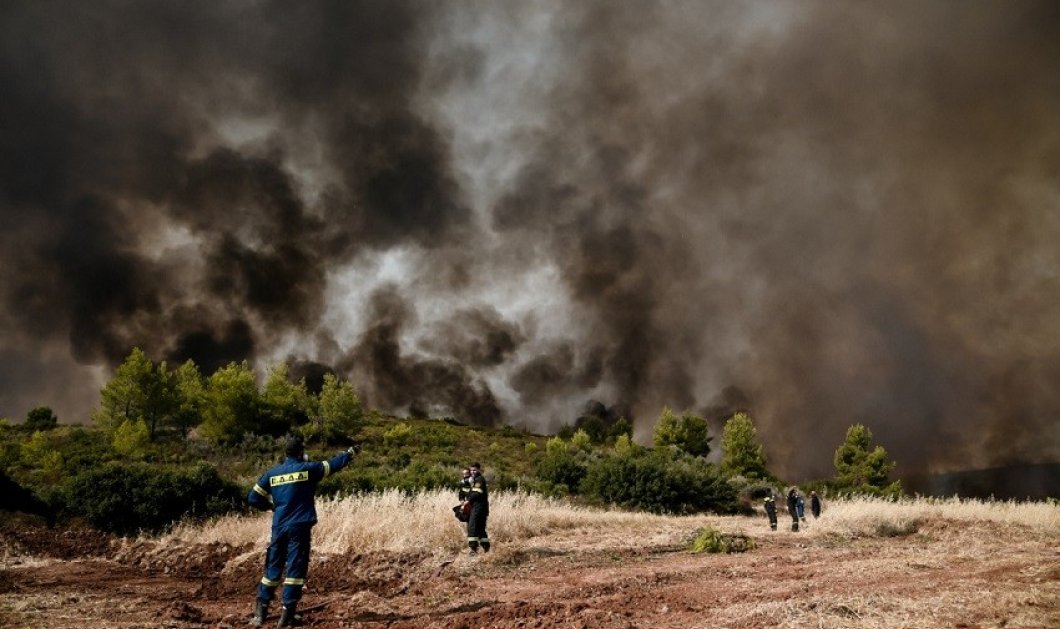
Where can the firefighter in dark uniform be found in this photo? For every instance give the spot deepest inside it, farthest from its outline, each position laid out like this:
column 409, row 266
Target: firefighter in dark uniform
column 289, row 490
column 479, row 498
column 815, row 505
column 793, row 507
column 771, row 510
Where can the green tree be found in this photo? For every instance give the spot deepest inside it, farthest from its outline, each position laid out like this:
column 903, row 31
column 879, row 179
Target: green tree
column 230, row 404
column 138, row 390
column 41, row 418
column 339, row 411
column 131, row 438
column 862, row 468
column 741, row 452
column 283, row 403
column 191, row 391
column 620, row 428
column 687, row 431
column 581, row 440
column 40, row 453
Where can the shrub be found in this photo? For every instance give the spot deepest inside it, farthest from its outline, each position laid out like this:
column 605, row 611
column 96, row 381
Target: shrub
column 18, row 498
column 561, row 467
column 398, row 435
column 660, row 482
column 581, row 440
column 710, row 540
column 127, row 498
column 41, row 418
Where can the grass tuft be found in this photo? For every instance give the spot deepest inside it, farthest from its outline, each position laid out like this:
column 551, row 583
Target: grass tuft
column 710, row 540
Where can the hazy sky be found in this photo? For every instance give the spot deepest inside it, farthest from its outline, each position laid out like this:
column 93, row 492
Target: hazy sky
column 825, row 213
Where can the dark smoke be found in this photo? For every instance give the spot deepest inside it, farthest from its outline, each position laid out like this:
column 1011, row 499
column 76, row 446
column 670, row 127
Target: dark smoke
column 402, row 380
column 819, row 213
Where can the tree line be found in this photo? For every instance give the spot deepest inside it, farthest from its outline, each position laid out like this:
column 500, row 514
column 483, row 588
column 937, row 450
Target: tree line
column 140, row 468
column 145, row 401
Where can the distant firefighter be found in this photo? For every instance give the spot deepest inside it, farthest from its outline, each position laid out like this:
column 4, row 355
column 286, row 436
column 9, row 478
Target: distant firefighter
column 793, row 507
column 800, row 506
column 771, row 510
column 815, row 505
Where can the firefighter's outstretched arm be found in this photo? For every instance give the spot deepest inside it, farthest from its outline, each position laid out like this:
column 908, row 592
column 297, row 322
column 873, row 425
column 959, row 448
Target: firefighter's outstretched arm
column 260, row 496
column 335, row 463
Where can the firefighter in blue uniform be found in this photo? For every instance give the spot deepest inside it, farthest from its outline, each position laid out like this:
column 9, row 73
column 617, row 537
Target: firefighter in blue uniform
column 289, row 490
column 479, row 498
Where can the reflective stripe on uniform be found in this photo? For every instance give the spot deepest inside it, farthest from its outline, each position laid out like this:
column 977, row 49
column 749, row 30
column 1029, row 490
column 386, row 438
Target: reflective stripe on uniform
column 260, row 490
column 290, row 477
column 267, row 582
column 472, row 539
column 476, row 489
column 327, row 467
column 294, row 581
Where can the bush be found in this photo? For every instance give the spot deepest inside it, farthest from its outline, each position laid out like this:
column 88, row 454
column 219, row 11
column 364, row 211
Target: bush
column 710, row 540
column 398, row 435
column 41, row 418
column 561, row 467
column 128, row 498
column 659, row 481
column 18, row 498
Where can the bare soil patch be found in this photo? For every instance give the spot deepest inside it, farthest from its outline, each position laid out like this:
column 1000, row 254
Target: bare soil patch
column 943, row 575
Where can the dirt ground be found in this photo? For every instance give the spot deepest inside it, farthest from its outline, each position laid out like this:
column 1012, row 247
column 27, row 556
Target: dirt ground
column 943, row 575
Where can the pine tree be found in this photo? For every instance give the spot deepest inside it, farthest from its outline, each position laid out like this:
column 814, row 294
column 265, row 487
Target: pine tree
column 686, row 431
column 139, row 390
column 860, row 468
column 742, row 453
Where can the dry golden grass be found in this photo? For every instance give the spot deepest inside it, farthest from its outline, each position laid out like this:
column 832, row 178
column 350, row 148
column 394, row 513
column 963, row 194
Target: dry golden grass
column 875, row 517
column 397, row 522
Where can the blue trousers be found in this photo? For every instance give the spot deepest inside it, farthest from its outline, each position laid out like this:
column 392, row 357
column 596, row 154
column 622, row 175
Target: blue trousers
column 288, row 547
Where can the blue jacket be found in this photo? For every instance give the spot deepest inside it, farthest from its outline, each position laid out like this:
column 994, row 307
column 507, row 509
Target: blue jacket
column 289, row 489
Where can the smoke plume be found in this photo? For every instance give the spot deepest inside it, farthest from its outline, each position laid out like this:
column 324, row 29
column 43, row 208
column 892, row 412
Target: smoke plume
column 822, row 214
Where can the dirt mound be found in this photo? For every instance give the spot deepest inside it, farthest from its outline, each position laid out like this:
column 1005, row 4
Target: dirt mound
column 31, row 537
column 193, row 561
column 384, row 574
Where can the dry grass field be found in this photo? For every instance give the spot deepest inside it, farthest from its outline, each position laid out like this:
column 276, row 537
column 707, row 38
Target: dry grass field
column 389, row 560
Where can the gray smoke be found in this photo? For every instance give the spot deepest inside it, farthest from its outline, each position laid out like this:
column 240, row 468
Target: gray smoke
column 821, row 213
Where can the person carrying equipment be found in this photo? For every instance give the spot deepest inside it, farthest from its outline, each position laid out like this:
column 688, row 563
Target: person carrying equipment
column 479, row 499
column 289, row 490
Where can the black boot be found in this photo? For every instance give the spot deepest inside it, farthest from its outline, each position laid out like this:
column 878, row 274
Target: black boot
column 288, row 617
column 261, row 611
